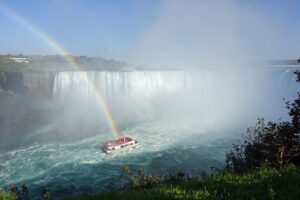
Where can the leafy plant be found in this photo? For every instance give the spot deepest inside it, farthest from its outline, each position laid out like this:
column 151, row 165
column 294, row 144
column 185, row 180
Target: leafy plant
column 271, row 144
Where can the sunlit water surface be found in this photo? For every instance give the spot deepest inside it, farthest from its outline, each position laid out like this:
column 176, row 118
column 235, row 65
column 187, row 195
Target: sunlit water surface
column 78, row 166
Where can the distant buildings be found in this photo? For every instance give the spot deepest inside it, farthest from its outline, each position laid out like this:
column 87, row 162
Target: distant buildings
column 19, row 59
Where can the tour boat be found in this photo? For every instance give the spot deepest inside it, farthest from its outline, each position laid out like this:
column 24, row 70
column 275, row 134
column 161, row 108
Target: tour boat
column 120, row 143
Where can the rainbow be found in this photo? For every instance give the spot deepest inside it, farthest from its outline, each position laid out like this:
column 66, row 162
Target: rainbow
column 69, row 58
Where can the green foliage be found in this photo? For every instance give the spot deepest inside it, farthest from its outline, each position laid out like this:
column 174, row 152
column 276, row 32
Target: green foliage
column 138, row 180
column 22, row 194
column 126, row 169
column 6, row 196
column 58, row 62
column 265, row 183
column 11, row 66
column 271, row 144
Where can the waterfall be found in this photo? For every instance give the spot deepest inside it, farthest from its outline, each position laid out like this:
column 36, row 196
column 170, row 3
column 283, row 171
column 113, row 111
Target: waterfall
column 147, row 83
column 211, row 95
column 141, row 83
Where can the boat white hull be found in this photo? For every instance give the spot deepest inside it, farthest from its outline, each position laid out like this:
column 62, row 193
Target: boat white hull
column 121, row 149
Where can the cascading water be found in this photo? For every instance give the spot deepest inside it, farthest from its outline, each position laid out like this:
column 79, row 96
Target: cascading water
column 185, row 125
column 142, row 83
column 146, row 83
column 208, row 94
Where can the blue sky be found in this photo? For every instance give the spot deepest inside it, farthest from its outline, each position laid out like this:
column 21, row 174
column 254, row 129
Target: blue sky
column 124, row 28
column 84, row 27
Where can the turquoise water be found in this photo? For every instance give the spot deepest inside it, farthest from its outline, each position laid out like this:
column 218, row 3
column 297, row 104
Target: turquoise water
column 69, row 166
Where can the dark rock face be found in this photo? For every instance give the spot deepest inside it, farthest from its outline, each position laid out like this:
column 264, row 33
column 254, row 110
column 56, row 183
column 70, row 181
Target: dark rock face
column 22, row 97
column 33, row 83
column 39, row 83
column 13, row 81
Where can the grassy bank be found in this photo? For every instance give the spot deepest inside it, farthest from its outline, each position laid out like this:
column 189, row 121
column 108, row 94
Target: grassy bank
column 265, row 183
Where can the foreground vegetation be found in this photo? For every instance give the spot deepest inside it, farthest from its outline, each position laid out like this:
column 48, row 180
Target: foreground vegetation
column 265, row 183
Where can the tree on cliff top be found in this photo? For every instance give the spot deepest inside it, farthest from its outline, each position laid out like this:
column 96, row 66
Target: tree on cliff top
column 271, row 144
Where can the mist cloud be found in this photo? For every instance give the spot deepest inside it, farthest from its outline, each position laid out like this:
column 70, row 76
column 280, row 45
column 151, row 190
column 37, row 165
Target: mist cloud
column 195, row 33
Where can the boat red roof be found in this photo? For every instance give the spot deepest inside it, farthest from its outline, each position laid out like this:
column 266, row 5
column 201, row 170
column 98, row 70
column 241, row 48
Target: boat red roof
column 118, row 141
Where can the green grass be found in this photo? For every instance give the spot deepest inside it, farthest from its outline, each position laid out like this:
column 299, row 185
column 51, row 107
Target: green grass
column 6, row 196
column 261, row 184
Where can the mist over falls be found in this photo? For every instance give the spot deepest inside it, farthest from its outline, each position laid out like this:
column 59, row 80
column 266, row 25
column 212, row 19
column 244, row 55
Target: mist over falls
column 206, row 98
column 210, row 98
column 214, row 98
